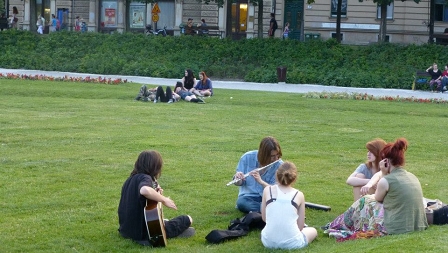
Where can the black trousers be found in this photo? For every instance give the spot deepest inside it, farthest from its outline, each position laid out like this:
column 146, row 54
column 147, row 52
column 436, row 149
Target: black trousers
column 164, row 97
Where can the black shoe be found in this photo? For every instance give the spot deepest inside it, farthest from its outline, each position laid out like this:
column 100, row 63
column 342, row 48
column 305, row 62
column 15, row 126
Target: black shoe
column 325, row 227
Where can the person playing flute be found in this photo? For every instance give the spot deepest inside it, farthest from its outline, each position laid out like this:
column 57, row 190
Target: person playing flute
column 251, row 187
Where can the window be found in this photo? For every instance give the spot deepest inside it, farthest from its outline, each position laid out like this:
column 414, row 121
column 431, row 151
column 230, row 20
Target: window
column 390, row 11
column 441, row 11
column 334, row 8
column 109, row 14
column 137, row 15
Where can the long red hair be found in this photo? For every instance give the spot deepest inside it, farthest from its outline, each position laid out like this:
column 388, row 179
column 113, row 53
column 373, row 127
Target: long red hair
column 204, row 77
column 395, row 152
column 375, row 146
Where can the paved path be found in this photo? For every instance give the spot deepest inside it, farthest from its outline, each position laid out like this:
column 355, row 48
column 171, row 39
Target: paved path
column 237, row 85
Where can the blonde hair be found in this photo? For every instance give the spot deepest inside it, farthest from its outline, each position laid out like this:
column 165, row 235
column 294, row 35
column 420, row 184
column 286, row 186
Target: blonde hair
column 286, row 173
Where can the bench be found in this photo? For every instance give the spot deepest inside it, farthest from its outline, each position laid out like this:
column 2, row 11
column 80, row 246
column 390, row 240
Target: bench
column 441, row 38
column 420, row 78
column 212, row 30
column 4, row 24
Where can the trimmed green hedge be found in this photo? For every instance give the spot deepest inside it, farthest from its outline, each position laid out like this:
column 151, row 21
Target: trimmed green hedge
column 315, row 62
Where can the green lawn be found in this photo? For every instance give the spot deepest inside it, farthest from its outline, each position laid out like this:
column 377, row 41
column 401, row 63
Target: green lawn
column 66, row 148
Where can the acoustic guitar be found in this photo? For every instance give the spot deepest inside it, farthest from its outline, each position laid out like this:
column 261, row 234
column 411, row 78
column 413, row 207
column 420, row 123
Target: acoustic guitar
column 154, row 223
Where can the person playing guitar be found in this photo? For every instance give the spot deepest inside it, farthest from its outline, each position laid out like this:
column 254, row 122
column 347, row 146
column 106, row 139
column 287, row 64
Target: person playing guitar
column 139, row 191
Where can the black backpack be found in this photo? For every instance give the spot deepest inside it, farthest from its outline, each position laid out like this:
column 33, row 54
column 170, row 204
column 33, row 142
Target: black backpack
column 275, row 25
column 238, row 227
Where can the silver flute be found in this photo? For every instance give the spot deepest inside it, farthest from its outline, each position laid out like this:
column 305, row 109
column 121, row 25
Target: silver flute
column 248, row 173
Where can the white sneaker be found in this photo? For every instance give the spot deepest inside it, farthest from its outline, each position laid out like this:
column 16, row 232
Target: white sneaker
column 170, row 101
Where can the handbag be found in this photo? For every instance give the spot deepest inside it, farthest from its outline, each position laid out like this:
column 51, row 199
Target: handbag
column 436, row 211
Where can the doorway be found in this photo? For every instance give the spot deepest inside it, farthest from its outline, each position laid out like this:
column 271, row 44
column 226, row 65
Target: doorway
column 239, row 19
column 40, row 7
column 294, row 15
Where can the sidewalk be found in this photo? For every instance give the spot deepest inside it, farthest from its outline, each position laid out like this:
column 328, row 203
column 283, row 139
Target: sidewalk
column 237, row 85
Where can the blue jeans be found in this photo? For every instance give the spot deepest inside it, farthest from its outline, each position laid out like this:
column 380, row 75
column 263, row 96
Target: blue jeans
column 247, row 204
column 444, row 82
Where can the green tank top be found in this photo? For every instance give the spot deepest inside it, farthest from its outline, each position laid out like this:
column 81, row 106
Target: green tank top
column 403, row 204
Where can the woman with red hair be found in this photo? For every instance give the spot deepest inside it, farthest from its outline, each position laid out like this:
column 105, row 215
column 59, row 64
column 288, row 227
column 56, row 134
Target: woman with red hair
column 361, row 176
column 400, row 192
column 397, row 206
column 203, row 87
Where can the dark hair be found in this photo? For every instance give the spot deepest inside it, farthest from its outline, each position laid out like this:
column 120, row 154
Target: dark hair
column 190, row 73
column 14, row 10
column 286, row 173
column 272, row 14
column 395, row 152
column 149, row 162
column 267, row 145
column 375, row 146
column 203, row 20
column 189, row 79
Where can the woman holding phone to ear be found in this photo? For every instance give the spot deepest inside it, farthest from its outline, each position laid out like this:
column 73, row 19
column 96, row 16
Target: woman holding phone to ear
column 400, row 192
column 395, row 208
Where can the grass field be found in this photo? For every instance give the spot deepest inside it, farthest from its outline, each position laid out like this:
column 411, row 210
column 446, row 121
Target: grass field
column 66, row 148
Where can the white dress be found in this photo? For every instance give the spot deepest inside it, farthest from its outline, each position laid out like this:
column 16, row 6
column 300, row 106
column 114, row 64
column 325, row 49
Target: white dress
column 281, row 230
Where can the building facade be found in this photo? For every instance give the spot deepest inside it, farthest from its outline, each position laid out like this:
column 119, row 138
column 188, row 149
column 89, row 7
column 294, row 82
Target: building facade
column 407, row 22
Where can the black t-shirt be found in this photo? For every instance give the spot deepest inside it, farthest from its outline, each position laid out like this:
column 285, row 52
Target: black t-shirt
column 189, row 83
column 435, row 75
column 131, row 208
column 274, row 24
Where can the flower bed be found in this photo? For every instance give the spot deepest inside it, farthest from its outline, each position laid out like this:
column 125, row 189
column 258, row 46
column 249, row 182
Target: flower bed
column 87, row 79
column 365, row 96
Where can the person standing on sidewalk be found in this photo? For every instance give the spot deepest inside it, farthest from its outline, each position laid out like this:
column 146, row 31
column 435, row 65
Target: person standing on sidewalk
column 40, row 24
column 272, row 26
column 53, row 23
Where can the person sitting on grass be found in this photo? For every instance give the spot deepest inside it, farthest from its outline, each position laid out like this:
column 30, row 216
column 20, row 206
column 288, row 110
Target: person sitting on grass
column 186, row 95
column 251, row 187
column 204, row 86
column 189, row 80
column 283, row 209
column 396, row 207
column 140, row 187
column 365, row 171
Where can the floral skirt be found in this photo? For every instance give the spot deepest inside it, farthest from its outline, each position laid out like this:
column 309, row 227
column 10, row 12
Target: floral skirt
column 364, row 219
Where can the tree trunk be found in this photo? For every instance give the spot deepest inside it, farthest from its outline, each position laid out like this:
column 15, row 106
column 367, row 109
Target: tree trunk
column 260, row 19
column 431, row 21
column 338, row 21
column 383, row 23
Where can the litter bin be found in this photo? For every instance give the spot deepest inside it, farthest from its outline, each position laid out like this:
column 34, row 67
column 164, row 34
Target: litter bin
column 316, row 36
column 281, row 74
column 308, row 36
